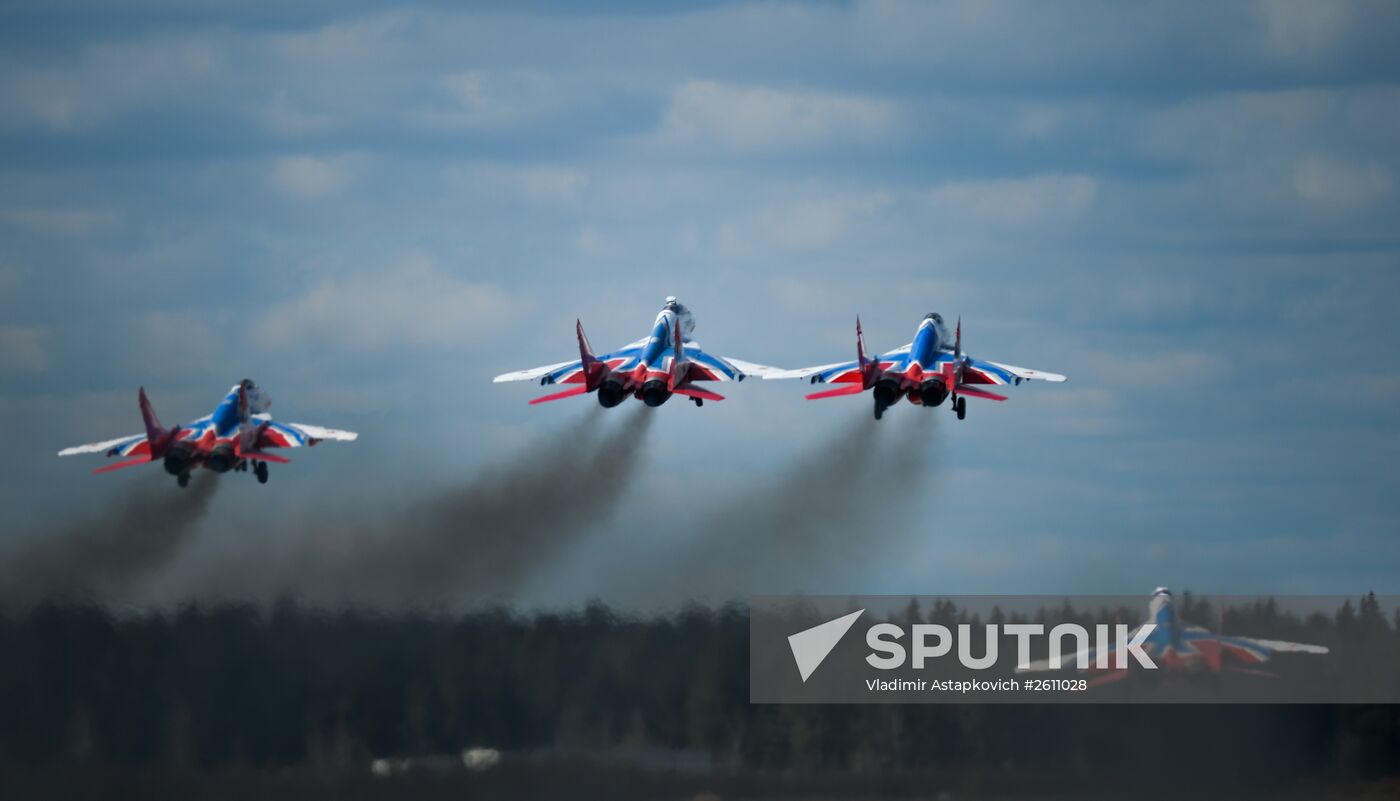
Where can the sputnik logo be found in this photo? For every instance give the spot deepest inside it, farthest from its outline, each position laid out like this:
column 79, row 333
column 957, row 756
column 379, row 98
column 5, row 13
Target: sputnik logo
column 810, row 647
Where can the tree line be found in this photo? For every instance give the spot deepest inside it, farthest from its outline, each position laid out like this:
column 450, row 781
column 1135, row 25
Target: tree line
column 206, row 687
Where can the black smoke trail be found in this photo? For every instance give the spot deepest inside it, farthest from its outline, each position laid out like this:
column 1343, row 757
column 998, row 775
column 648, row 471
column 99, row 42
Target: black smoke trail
column 104, row 556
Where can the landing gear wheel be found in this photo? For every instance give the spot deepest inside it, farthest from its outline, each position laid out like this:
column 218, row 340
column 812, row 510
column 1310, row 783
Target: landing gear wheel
column 260, row 470
column 960, row 406
column 699, row 401
column 183, row 480
column 879, row 411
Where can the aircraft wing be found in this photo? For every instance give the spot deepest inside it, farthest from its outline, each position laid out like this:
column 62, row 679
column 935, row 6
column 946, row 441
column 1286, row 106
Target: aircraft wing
column 533, row 373
column 572, row 371
column 135, row 444
column 120, row 444
column 982, row 372
column 842, row 372
column 296, row 435
column 704, row 367
column 823, row 372
column 1249, row 649
column 750, row 368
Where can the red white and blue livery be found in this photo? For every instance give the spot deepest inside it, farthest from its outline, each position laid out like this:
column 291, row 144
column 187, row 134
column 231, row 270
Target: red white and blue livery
column 1177, row 647
column 664, row 363
column 235, row 436
column 927, row 371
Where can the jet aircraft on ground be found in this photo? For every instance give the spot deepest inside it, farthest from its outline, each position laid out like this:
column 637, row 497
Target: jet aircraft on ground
column 1178, row 647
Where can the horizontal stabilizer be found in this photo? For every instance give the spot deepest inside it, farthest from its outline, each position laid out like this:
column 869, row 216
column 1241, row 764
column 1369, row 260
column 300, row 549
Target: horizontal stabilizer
column 119, row 465
column 849, row 389
column 568, row 393
column 696, row 392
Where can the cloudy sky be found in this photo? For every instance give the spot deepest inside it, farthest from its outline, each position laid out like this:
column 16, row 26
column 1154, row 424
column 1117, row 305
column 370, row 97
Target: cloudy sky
column 1190, row 209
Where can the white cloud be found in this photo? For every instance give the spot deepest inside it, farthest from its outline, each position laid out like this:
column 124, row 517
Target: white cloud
column 308, row 177
column 22, row 349
column 411, row 303
column 1038, row 199
column 1340, row 185
column 755, row 118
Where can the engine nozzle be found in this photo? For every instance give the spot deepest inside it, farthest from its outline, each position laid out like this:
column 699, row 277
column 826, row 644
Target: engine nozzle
column 933, row 393
column 221, row 459
column 655, row 393
column 610, row 394
column 178, row 458
column 886, row 393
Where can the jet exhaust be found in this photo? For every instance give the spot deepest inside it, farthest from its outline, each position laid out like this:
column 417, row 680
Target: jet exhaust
column 886, row 392
column 222, row 458
column 933, row 393
column 103, row 557
column 655, row 393
column 178, row 458
column 480, row 539
column 611, row 393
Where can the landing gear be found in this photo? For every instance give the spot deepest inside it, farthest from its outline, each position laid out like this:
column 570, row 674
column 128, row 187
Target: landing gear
column 879, row 410
column 260, row 470
column 698, row 401
column 960, row 406
column 183, row 480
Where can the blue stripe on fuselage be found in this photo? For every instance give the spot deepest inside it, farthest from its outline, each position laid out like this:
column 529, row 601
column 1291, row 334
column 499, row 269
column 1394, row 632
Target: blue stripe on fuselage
column 225, row 416
column 924, row 350
column 660, row 341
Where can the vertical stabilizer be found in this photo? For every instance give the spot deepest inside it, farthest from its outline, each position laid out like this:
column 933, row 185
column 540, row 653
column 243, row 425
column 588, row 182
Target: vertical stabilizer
column 156, row 434
column 593, row 370
column 678, row 362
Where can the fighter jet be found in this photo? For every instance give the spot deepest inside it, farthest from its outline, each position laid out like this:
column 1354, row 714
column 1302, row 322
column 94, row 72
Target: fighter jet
column 667, row 362
column 927, row 371
column 235, row 436
column 1177, row 647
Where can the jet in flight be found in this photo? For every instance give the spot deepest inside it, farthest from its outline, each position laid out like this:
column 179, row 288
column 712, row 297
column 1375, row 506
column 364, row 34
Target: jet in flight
column 1178, row 647
column 664, row 363
column 927, row 371
column 234, row 437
